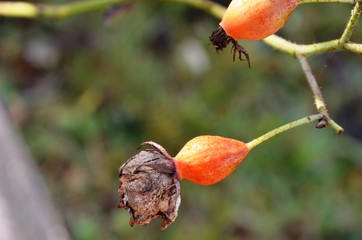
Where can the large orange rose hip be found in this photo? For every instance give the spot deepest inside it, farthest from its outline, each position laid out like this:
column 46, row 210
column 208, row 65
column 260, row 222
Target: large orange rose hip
column 209, row 159
column 256, row 19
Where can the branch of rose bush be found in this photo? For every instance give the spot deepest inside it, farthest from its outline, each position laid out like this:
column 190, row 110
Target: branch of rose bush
column 22, row 9
column 65, row 10
column 286, row 46
column 355, row 14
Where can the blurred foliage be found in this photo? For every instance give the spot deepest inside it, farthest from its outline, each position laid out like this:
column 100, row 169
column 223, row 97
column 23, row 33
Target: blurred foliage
column 85, row 95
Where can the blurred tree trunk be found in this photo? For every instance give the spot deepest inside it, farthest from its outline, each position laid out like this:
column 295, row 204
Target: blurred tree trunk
column 26, row 210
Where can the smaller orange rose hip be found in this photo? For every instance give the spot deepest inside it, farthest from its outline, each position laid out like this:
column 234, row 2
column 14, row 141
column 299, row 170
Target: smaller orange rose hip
column 252, row 20
column 209, row 159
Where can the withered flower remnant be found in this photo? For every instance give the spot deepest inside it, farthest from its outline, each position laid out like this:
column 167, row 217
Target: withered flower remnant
column 149, row 187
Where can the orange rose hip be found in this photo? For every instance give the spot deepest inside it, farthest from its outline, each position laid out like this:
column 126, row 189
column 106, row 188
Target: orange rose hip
column 256, row 19
column 207, row 160
column 252, row 20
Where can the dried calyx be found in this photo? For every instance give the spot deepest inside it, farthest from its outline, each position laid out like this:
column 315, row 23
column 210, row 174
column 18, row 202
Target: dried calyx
column 149, row 187
column 221, row 40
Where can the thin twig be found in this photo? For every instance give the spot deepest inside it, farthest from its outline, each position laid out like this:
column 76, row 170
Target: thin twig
column 311, row 49
column 356, row 12
column 318, row 97
column 282, row 129
column 65, row 10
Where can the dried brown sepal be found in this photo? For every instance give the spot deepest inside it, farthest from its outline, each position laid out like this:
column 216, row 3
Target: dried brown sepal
column 149, row 187
column 221, row 40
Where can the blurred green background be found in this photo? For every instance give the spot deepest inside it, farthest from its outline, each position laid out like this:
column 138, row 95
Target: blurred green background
column 85, row 95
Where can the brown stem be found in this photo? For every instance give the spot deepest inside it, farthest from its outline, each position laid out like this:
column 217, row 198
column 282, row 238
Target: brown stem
column 318, row 97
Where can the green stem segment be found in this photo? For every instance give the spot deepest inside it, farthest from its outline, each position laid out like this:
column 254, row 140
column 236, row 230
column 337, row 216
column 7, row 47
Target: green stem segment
column 311, row 49
column 61, row 11
column 58, row 11
column 356, row 12
column 282, row 129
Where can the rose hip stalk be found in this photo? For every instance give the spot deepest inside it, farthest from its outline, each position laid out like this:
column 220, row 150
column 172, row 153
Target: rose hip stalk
column 252, row 20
